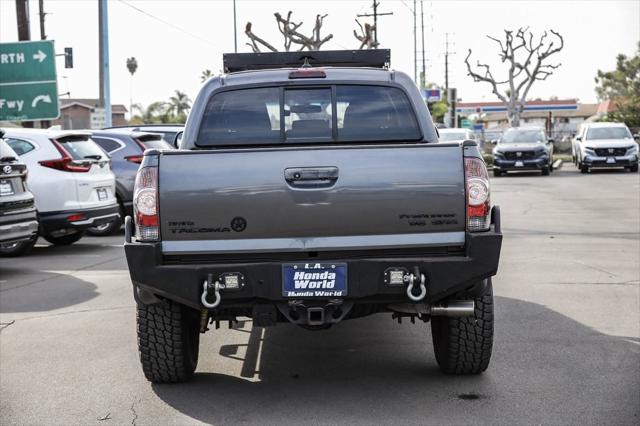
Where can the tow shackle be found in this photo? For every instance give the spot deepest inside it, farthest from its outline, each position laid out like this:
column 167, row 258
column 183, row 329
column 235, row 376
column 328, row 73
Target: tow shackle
column 209, row 285
column 413, row 281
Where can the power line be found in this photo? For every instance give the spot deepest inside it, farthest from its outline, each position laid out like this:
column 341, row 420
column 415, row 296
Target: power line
column 375, row 15
column 167, row 23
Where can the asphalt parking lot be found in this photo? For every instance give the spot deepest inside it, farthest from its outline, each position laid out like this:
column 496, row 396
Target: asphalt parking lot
column 567, row 348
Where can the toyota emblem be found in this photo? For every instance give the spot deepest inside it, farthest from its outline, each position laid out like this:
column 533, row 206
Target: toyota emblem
column 7, row 169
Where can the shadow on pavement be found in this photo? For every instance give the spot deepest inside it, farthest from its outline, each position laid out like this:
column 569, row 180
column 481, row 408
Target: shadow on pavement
column 55, row 291
column 546, row 368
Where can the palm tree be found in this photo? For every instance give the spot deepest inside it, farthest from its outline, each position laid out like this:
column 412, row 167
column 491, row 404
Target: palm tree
column 206, row 75
column 154, row 113
column 132, row 66
column 179, row 104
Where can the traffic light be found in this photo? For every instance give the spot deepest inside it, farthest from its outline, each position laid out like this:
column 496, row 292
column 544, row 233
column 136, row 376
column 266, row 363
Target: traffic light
column 68, row 57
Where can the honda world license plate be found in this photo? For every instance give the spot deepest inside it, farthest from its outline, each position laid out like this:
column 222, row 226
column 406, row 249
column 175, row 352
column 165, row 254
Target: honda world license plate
column 102, row 194
column 6, row 188
column 314, row 280
column 519, row 164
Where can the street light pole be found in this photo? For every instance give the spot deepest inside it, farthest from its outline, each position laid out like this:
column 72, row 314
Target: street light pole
column 105, row 90
column 235, row 31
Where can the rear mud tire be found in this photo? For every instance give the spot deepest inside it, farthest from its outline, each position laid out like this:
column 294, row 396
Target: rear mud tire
column 65, row 240
column 463, row 345
column 168, row 341
column 18, row 249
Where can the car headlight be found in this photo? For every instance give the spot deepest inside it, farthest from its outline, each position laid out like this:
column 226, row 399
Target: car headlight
column 589, row 151
column 497, row 153
column 633, row 149
column 541, row 153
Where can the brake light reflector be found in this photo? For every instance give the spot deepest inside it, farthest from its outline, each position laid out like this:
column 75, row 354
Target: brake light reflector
column 478, row 194
column 307, row 73
column 134, row 158
column 145, row 204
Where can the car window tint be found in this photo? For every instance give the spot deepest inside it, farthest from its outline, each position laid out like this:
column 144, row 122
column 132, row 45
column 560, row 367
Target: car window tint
column 307, row 114
column 608, row 133
column 248, row 116
column 81, row 147
column 374, row 113
column 20, row 146
column 108, row 145
column 158, row 143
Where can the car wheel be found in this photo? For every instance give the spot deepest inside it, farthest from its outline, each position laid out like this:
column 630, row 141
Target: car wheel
column 168, row 341
column 497, row 173
column 546, row 170
column 584, row 168
column 18, row 249
column 64, row 240
column 464, row 345
column 633, row 168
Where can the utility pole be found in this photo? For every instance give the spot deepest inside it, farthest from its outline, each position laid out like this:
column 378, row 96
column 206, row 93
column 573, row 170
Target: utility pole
column 424, row 71
column 415, row 44
column 375, row 15
column 43, row 35
column 105, row 92
column 235, row 31
column 447, row 52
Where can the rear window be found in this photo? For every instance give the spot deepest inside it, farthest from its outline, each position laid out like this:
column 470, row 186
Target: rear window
column 262, row 116
column 81, row 148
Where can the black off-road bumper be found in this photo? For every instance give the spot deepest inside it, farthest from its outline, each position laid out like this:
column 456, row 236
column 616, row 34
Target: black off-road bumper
column 448, row 271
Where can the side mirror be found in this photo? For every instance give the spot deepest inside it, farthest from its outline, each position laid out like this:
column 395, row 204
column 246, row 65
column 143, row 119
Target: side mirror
column 493, row 141
column 636, row 136
column 177, row 139
column 551, row 141
column 578, row 138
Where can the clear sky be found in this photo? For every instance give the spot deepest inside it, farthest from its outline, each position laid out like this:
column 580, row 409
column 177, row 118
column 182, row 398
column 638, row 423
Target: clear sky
column 182, row 38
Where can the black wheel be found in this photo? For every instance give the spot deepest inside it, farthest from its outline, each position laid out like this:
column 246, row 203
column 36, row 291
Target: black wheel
column 108, row 228
column 584, row 168
column 168, row 341
column 497, row 173
column 463, row 345
column 633, row 168
column 64, row 240
column 19, row 248
column 546, row 170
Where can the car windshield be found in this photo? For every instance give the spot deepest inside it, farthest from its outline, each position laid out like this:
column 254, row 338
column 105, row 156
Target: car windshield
column 523, row 136
column 452, row 136
column 608, row 133
column 259, row 116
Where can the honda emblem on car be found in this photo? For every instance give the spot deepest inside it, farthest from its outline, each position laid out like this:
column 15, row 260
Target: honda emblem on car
column 610, row 150
column 518, row 154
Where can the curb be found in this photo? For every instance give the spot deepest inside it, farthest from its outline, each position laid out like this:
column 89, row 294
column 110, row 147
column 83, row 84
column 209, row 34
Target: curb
column 558, row 164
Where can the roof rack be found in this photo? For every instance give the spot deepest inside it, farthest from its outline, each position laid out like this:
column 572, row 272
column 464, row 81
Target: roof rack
column 373, row 58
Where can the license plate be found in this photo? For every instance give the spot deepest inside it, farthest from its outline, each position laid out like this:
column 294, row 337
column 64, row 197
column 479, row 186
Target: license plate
column 102, row 194
column 519, row 164
column 314, row 280
column 6, row 188
column 611, row 160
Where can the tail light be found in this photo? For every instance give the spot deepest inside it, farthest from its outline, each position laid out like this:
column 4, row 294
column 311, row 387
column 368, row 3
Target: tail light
column 134, row 158
column 66, row 163
column 478, row 202
column 145, row 204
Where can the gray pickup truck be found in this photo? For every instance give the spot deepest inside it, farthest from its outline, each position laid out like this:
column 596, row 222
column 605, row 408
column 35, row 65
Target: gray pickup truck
column 310, row 188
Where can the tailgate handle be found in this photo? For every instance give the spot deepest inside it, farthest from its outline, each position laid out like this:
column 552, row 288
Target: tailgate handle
column 311, row 176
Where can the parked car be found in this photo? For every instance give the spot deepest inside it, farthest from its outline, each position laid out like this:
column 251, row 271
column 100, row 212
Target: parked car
column 310, row 196
column 70, row 178
column 18, row 218
column 605, row 145
column 168, row 131
column 523, row 148
column 125, row 148
column 455, row 135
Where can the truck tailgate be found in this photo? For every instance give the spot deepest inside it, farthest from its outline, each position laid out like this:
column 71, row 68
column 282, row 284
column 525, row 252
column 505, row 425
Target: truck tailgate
column 310, row 198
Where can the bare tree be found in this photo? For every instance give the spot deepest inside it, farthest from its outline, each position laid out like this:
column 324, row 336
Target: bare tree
column 289, row 31
column 525, row 59
column 366, row 36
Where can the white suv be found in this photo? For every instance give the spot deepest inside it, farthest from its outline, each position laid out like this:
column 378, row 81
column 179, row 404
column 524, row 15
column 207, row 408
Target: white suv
column 605, row 145
column 71, row 179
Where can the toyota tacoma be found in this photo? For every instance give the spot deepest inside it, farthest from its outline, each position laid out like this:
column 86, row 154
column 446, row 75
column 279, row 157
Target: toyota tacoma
column 310, row 188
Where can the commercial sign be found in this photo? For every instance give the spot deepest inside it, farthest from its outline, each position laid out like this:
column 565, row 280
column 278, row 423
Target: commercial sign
column 431, row 95
column 28, row 83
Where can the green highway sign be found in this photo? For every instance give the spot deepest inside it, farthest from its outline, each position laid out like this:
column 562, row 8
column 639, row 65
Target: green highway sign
column 28, row 83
